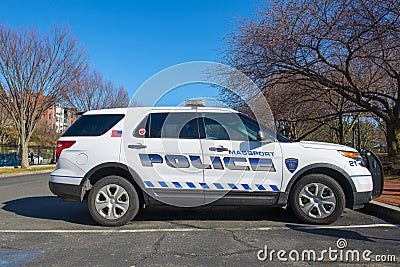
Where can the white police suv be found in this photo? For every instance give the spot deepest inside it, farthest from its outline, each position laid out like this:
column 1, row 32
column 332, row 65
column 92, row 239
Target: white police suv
column 119, row 160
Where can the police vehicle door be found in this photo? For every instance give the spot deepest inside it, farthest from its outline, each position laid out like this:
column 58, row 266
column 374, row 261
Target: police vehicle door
column 169, row 156
column 237, row 160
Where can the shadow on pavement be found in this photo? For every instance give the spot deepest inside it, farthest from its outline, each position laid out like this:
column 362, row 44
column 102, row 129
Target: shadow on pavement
column 51, row 208
column 212, row 213
column 338, row 233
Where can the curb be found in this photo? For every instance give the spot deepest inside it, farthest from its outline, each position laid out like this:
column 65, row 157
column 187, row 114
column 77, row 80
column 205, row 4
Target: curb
column 386, row 210
column 23, row 173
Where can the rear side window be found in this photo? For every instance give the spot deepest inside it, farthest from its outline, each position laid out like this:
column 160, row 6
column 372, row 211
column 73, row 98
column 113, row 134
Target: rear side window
column 93, row 125
column 172, row 125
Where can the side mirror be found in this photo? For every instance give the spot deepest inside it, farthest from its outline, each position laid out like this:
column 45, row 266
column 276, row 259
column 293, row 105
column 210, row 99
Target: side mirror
column 261, row 136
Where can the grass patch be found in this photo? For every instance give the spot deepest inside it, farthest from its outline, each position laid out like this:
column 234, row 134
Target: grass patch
column 31, row 169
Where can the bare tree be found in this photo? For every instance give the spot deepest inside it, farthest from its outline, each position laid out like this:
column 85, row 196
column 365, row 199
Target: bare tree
column 6, row 124
column 91, row 91
column 296, row 116
column 301, row 113
column 44, row 135
column 349, row 47
column 35, row 70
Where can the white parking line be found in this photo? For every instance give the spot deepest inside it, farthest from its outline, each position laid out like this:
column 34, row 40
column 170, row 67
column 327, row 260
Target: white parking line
column 201, row 229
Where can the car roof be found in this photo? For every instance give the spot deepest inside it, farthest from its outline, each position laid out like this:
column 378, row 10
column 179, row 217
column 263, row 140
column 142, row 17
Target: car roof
column 159, row 109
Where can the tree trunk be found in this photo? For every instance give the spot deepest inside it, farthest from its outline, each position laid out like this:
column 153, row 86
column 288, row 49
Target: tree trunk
column 24, row 154
column 341, row 129
column 23, row 141
column 392, row 137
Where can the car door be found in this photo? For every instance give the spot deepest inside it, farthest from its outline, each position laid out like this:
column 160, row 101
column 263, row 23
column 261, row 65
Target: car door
column 7, row 160
column 168, row 152
column 239, row 162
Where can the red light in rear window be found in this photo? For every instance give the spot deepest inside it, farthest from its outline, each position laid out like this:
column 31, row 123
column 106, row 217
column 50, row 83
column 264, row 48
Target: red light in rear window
column 62, row 145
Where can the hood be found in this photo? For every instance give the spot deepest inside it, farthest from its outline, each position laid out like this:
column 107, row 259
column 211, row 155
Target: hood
column 322, row 145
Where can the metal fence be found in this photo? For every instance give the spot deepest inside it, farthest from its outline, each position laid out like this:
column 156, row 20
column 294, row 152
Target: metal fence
column 10, row 155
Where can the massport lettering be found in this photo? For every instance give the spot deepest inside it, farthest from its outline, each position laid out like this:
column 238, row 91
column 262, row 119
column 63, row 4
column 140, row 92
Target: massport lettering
column 217, row 163
column 251, row 153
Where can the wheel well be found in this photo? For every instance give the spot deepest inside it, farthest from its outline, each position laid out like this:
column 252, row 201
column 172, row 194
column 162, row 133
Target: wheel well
column 107, row 171
column 338, row 177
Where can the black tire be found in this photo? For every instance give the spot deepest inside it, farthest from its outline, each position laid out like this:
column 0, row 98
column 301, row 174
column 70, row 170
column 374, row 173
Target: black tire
column 310, row 183
column 130, row 197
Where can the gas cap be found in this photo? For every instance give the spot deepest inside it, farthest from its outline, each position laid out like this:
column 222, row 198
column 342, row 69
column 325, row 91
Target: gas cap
column 81, row 159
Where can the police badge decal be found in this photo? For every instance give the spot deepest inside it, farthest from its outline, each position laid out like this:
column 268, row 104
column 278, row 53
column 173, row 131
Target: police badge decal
column 291, row 164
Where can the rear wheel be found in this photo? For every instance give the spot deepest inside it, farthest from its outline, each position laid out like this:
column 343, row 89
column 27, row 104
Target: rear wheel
column 113, row 201
column 317, row 199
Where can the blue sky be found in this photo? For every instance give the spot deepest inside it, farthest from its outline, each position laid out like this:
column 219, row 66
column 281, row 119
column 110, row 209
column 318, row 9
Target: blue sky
column 128, row 41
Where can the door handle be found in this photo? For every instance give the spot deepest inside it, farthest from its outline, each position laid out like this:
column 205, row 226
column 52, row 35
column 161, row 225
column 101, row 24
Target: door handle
column 137, row 146
column 218, row 148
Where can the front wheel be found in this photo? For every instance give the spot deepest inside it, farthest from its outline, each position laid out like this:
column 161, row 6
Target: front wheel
column 317, row 199
column 113, row 201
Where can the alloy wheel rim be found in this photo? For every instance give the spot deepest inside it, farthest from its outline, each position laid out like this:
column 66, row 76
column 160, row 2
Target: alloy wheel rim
column 317, row 200
column 112, row 201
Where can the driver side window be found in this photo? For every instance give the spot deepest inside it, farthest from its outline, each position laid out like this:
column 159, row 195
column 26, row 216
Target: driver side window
column 229, row 126
column 214, row 130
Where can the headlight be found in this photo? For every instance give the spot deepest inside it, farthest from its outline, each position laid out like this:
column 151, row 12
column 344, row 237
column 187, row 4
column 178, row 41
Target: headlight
column 353, row 155
column 350, row 154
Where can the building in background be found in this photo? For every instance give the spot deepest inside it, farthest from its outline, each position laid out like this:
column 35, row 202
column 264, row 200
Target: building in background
column 59, row 118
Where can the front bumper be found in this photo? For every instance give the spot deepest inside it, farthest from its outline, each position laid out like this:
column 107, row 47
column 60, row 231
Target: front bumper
column 361, row 198
column 68, row 192
column 374, row 165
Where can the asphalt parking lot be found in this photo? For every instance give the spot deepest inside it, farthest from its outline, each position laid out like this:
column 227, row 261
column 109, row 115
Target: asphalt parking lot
column 38, row 229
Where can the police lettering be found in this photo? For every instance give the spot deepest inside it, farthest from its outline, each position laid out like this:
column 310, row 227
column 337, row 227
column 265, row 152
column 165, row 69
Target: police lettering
column 217, row 163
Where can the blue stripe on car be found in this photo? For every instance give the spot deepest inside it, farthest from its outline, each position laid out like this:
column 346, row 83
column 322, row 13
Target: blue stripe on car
column 260, row 187
column 274, row 187
column 232, row 186
column 204, row 185
column 163, row 184
column 149, row 184
column 246, row 187
column 218, row 186
column 191, row 185
column 177, row 184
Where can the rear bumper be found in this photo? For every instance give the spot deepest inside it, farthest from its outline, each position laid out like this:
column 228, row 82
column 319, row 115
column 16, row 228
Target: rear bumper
column 68, row 192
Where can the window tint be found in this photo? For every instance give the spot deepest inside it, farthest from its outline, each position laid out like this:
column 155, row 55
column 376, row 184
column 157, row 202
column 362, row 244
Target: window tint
column 190, row 130
column 172, row 125
column 230, row 126
column 93, row 125
column 214, row 130
column 249, row 123
column 156, row 123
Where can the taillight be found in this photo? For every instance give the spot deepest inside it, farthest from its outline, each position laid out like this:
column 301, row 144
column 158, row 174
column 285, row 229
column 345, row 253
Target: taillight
column 62, row 145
